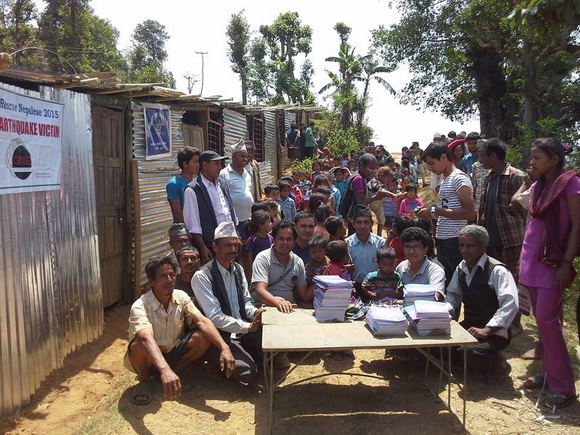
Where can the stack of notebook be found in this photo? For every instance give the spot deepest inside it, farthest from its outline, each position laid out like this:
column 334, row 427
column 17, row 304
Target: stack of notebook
column 429, row 317
column 386, row 321
column 418, row 292
column 331, row 297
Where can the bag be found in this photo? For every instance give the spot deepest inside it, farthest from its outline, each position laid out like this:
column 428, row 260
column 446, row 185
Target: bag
column 348, row 201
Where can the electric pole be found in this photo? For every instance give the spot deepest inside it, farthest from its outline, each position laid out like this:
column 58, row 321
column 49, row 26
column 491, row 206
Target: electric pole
column 203, row 53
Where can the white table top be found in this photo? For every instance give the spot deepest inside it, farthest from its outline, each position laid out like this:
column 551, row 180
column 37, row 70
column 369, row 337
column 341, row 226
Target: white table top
column 299, row 331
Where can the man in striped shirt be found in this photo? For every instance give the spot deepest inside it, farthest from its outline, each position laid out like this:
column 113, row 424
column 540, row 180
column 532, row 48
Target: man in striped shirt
column 455, row 205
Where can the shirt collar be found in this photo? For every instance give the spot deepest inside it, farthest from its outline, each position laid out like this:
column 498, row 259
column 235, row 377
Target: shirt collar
column 421, row 270
column 207, row 182
column 155, row 302
column 481, row 264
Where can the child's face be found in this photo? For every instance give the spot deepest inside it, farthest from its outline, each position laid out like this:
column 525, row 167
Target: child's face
column 274, row 194
column 317, row 254
column 393, row 185
column 284, row 193
column 339, row 175
column 411, row 194
column 273, row 212
column 266, row 227
column 387, row 265
column 341, row 232
column 316, row 167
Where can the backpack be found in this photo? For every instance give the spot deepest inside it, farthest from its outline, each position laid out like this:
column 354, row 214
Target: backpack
column 348, row 201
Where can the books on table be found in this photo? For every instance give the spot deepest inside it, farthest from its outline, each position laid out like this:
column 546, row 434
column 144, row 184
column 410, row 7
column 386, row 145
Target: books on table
column 429, row 317
column 331, row 297
column 386, row 321
column 418, row 292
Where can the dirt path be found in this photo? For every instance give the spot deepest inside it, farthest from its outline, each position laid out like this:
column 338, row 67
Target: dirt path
column 90, row 395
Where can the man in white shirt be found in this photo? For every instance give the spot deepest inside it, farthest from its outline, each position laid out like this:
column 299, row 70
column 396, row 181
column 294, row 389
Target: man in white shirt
column 221, row 290
column 209, row 194
column 489, row 295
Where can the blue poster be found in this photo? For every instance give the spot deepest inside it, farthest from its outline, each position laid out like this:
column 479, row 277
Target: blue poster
column 157, row 131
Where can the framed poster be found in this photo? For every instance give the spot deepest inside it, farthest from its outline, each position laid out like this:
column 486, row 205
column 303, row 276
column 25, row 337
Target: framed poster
column 30, row 143
column 157, row 131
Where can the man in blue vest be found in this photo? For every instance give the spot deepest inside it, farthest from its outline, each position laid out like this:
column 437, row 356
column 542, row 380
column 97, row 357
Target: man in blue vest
column 489, row 295
column 207, row 203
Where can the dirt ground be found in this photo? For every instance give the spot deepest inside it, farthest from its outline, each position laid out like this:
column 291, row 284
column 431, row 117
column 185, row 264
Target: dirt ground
column 91, row 394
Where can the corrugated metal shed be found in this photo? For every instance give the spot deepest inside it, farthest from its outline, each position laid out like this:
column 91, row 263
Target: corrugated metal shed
column 269, row 167
column 50, row 283
column 289, row 117
column 235, row 128
column 152, row 215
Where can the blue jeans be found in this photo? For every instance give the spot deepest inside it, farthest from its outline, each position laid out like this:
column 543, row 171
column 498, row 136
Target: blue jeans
column 449, row 256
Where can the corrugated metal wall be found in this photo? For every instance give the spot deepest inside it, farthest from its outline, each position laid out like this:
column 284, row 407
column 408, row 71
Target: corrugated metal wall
column 235, row 128
column 269, row 167
column 50, row 283
column 153, row 217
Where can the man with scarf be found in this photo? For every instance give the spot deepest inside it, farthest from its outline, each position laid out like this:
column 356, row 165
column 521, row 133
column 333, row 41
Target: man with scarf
column 221, row 290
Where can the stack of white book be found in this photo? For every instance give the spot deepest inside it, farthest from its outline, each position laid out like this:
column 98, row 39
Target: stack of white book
column 429, row 317
column 331, row 297
column 418, row 292
column 386, row 321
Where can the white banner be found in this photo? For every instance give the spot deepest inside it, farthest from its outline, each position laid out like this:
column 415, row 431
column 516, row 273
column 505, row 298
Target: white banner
column 30, row 143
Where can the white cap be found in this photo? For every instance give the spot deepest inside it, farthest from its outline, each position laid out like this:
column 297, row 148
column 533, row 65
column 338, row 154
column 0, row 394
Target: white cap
column 225, row 229
column 239, row 146
column 437, row 135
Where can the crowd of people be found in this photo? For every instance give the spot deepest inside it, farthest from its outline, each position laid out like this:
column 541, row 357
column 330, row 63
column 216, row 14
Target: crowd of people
column 238, row 247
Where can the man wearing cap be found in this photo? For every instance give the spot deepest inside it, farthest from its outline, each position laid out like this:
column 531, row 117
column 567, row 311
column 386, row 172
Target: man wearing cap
column 363, row 245
column 253, row 169
column 207, row 193
column 178, row 237
column 222, row 292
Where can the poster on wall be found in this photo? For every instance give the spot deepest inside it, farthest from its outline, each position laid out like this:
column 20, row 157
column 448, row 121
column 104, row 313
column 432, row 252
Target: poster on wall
column 157, row 131
column 30, row 143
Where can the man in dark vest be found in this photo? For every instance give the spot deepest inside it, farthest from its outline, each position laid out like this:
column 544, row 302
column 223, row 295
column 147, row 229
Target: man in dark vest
column 221, row 290
column 489, row 295
column 207, row 203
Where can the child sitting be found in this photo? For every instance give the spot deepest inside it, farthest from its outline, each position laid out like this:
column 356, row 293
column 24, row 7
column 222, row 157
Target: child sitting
column 337, row 253
column 384, row 285
column 259, row 228
column 411, row 202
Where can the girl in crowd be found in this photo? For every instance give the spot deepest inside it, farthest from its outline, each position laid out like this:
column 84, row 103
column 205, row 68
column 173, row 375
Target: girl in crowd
column 551, row 242
column 457, row 148
column 259, row 229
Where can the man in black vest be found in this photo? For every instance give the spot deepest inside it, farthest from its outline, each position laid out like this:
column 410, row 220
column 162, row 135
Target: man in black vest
column 489, row 295
column 221, row 290
column 207, row 203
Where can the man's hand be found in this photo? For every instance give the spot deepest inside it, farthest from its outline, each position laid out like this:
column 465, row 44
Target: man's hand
column 227, row 361
column 171, row 383
column 423, row 213
column 205, row 256
column 257, row 322
column 565, row 274
column 480, row 333
column 284, row 306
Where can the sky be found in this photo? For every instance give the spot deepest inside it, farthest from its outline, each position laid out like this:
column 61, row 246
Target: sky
column 200, row 26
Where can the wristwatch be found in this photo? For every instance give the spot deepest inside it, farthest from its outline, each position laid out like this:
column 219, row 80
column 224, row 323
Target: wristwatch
column 433, row 209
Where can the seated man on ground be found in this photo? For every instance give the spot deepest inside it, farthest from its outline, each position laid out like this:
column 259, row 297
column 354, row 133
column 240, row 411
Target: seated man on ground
column 490, row 299
column 221, row 288
column 167, row 333
column 188, row 262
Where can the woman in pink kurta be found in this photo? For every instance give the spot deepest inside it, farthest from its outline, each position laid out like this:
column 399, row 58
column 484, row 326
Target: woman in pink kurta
column 551, row 242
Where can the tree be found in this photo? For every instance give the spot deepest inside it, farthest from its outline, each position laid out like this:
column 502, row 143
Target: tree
column 238, row 34
column 147, row 54
column 17, row 30
column 273, row 61
column 470, row 56
column 71, row 29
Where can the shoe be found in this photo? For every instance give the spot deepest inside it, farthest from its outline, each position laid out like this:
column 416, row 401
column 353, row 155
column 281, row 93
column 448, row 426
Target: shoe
column 534, row 383
column 281, row 361
column 557, row 401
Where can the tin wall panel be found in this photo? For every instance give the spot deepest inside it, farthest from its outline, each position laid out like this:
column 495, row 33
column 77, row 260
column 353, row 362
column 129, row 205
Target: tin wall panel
column 269, row 167
column 235, row 128
column 154, row 217
column 50, row 287
column 289, row 117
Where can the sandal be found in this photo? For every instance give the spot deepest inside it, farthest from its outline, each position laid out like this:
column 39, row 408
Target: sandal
column 557, row 401
column 534, row 383
column 143, row 392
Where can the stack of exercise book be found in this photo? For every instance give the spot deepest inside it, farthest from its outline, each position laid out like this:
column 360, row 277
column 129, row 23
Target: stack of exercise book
column 418, row 292
column 331, row 297
column 429, row 317
column 386, row 321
